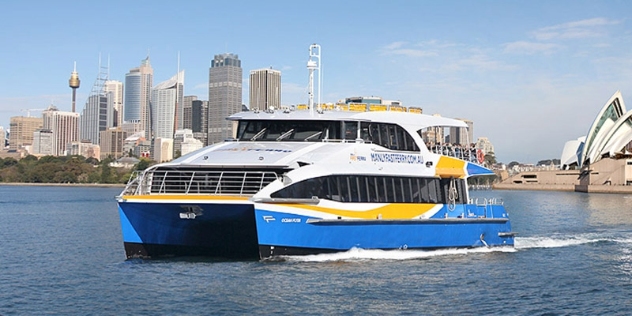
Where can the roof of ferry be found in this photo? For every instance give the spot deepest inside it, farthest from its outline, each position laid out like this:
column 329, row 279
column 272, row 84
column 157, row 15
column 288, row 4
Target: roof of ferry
column 402, row 118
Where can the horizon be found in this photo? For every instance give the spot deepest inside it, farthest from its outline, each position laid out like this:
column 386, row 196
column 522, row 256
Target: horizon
column 531, row 76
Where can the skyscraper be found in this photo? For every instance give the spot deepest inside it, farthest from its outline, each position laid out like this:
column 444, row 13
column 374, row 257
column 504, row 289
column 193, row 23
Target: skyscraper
column 138, row 83
column 97, row 116
column 224, row 95
column 64, row 126
column 461, row 135
column 98, row 113
column 199, row 121
column 186, row 111
column 165, row 98
column 115, row 88
column 265, row 89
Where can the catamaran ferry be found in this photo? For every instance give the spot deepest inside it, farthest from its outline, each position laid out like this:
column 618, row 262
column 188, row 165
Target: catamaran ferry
column 297, row 182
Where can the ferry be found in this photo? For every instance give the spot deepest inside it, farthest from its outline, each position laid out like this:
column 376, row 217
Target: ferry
column 298, row 182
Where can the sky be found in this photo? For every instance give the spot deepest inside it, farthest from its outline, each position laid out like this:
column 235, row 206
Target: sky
column 531, row 75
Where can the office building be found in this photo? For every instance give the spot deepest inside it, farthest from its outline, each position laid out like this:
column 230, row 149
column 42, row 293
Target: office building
column 166, row 98
column 461, row 135
column 199, row 121
column 22, row 129
column 115, row 89
column 224, row 96
column 186, row 110
column 97, row 116
column 112, row 141
column 65, row 128
column 138, row 83
column 265, row 89
column 42, row 142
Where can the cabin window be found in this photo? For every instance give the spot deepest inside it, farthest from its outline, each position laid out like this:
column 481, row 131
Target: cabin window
column 375, row 189
column 288, row 130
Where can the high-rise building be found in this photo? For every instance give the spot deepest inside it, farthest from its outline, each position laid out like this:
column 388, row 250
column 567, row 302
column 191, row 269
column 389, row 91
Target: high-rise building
column 461, row 135
column 165, row 99
column 199, row 121
column 112, row 141
column 138, row 83
column 224, row 95
column 65, row 128
column 96, row 117
column 186, row 110
column 22, row 129
column 265, row 89
column 115, row 89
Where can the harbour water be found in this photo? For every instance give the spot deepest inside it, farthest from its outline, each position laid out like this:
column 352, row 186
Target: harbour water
column 61, row 254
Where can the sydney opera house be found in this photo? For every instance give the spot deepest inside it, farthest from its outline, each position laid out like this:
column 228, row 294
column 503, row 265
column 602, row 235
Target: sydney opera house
column 597, row 162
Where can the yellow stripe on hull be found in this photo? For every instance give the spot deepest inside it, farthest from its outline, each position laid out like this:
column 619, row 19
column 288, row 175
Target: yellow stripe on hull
column 389, row 211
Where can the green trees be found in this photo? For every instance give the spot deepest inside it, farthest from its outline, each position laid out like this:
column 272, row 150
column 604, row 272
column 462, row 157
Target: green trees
column 63, row 169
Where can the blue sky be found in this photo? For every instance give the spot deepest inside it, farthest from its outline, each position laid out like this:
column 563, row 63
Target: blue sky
column 530, row 74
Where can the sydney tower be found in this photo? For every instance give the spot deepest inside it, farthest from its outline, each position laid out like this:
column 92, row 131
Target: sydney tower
column 74, row 84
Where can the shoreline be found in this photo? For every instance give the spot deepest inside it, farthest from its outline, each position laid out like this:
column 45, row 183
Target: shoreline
column 615, row 189
column 96, row 185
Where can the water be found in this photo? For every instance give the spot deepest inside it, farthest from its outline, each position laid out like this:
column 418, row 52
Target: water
column 61, row 254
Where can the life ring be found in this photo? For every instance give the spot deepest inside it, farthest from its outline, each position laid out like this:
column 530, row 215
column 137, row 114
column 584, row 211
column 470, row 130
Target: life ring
column 480, row 156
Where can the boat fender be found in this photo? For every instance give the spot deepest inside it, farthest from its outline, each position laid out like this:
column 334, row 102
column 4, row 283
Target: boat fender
column 480, row 156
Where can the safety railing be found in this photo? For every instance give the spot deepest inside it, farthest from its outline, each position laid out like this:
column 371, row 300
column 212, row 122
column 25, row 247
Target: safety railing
column 216, row 182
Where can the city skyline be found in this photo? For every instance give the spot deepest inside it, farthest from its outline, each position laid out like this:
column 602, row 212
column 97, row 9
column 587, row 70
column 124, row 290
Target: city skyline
column 516, row 69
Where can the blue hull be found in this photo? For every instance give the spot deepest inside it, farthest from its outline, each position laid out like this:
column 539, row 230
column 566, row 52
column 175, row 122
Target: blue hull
column 156, row 229
column 288, row 234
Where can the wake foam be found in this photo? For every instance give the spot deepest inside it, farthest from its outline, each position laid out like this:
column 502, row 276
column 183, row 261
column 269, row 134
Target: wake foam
column 565, row 241
column 358, row 254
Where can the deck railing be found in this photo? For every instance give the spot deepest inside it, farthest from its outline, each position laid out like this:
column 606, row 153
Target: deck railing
column 216, row 182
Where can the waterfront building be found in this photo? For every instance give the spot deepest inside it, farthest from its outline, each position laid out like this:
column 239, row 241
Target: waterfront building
column 265, row 89
column 224, row 96
column 199, row 121
column 186, row 110
column 42, row 142
column 22, row 129
column 112, row 141
column 115, row 89
column 138, row 83
column 166, row 98
column 65, row 128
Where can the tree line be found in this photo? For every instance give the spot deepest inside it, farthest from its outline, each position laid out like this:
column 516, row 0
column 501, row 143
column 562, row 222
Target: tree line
column 65, row 169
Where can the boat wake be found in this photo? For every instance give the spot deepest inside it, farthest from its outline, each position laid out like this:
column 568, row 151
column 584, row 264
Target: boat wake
column 358, row 254
column 521, row 243
column 565, row 241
